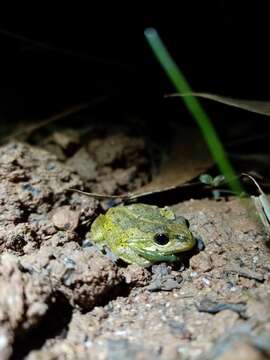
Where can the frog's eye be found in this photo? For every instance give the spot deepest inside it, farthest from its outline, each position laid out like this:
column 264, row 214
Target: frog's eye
column 161, row 239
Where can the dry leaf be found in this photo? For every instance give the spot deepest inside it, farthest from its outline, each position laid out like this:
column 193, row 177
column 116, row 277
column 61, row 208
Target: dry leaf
column 262, row 205
column 257, row 106
column 188, row 158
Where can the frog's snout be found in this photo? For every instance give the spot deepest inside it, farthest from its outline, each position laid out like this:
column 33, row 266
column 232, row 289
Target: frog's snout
column 184, row 242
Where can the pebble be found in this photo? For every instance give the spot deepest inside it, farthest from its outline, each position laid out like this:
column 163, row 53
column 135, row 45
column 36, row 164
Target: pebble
column 66, row 219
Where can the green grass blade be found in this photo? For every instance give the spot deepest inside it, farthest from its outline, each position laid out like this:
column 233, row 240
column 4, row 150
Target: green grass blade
column 193, row 105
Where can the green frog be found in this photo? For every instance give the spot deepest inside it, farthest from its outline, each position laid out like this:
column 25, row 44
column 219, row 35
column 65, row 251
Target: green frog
column 142, row 234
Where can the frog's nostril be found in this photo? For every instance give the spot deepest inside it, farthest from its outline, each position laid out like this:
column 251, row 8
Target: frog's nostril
column 180, row 237
column 161, row 239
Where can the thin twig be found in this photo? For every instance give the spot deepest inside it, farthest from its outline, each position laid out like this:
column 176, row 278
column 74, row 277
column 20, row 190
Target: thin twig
column 53, row 48
column 130, row 196
column 102, row 196
column 244, row 273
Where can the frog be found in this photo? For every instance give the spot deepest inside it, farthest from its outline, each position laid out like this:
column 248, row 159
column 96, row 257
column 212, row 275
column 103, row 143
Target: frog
column 142, row 234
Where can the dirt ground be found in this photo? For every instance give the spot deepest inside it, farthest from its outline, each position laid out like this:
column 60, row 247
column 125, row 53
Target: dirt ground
column 62, row 299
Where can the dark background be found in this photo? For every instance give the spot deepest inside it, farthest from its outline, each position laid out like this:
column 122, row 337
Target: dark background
column 77, row 54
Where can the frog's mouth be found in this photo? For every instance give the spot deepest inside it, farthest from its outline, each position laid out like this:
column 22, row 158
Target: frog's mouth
column 154, row 256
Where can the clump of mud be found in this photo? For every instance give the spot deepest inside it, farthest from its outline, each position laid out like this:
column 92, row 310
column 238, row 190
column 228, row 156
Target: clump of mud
column 107, row 163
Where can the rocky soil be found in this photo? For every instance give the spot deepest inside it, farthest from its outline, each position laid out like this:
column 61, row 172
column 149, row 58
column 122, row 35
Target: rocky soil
column 60, row 298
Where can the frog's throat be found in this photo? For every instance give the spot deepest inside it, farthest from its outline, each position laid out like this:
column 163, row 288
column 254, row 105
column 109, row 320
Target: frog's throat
column 154, row 256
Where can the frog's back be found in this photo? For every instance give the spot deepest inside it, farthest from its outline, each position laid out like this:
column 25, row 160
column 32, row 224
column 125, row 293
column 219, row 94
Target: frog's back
column 129, row 215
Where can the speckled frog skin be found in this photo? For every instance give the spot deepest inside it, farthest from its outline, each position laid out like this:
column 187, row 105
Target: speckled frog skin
column 142, row 234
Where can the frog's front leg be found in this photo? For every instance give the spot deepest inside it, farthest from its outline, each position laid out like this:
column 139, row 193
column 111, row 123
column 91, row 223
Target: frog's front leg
column 107, row 251
column 132, row 257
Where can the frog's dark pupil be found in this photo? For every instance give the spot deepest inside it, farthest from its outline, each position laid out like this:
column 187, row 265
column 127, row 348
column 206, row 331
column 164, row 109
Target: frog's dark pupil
column 161, row 239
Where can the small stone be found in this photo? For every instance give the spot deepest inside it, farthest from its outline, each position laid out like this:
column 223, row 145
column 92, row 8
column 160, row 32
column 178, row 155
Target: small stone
column 242, row 351
column 124, row 176
column 83, row 164
column 134, row 274
column 201, row 262
column 164, row 278
column 61, row 238
column 66, row 219
column 224, row 321
column 57, row 151
column 66, row 138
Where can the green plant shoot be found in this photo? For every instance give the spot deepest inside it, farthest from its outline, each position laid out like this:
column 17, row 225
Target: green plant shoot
column 193, row 105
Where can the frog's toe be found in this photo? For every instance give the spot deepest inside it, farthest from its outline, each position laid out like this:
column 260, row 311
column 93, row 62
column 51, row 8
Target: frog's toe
column 200, row 244
column 106, row 251
column 87, row 243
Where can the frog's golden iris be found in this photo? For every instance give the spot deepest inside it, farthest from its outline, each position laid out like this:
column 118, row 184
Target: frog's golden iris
column 142, row 234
